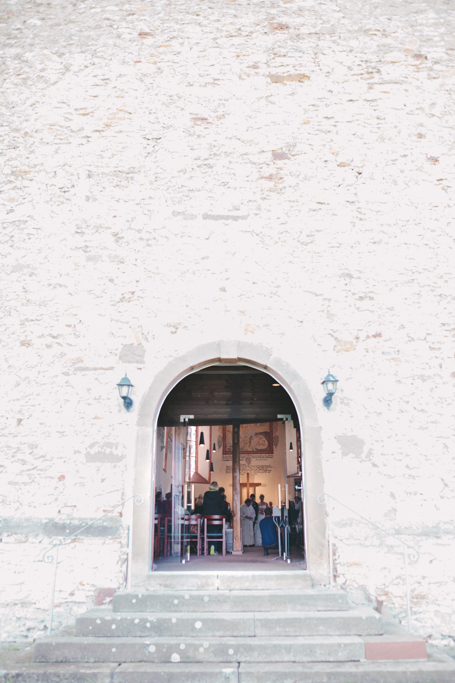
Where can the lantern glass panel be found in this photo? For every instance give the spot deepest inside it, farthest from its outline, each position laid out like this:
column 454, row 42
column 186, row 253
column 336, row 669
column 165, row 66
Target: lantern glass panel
column 124, row 387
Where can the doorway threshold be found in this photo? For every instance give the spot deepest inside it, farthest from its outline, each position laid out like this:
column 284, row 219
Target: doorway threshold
column 252, row 559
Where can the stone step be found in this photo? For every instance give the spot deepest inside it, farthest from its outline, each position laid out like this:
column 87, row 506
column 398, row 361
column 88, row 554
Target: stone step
column 102, row 622
column 197, row 649
column 438, row 669
column 313, row 599
column 291, row 580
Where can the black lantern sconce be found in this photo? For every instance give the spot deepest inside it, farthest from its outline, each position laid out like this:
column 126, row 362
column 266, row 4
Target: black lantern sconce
column 124, row 389
column 330, row 387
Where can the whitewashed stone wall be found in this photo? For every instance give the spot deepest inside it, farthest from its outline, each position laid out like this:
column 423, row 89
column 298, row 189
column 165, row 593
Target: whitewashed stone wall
column 279, row 172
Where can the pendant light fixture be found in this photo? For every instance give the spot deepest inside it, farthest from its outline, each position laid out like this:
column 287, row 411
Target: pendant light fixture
column 211, row 467
column 201, row 439
column 207, row 454
column 214, row 448
column 291, row 448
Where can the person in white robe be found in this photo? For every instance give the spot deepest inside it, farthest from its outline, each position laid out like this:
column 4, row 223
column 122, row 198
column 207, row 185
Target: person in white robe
column 247, row 515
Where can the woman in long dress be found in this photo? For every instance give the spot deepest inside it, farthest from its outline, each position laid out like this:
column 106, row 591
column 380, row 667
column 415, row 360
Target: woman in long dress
column 261, row 514
column 247, row 516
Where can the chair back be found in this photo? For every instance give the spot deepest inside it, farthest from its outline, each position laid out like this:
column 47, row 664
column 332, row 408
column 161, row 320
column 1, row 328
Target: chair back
column 219, row 534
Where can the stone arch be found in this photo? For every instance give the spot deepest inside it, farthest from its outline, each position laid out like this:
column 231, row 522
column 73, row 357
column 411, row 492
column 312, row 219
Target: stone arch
column 262, row 358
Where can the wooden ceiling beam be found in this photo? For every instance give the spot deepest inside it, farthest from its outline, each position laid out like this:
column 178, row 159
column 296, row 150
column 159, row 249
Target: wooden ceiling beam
column 223, row 397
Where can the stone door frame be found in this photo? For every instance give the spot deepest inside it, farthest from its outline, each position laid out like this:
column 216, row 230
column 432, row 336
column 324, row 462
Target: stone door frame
column 200, row 357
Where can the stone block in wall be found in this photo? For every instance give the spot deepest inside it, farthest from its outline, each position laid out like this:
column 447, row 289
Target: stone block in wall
column 105, row 451
column 132, row 353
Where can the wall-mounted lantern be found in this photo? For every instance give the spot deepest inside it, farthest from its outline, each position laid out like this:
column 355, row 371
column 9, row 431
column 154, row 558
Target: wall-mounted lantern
column 330, row 387
column 124, row 389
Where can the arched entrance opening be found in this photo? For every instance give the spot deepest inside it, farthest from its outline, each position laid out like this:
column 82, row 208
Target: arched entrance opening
column 236, row 427
column 291, row 377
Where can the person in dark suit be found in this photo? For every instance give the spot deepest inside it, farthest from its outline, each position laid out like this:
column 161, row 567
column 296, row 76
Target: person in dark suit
column 214, row 505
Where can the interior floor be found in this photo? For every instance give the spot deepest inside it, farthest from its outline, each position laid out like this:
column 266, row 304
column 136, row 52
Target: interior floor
column 250, row 559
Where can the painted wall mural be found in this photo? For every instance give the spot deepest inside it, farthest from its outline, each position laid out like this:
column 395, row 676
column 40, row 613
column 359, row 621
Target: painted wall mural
column 254, row 439
column 258, row 443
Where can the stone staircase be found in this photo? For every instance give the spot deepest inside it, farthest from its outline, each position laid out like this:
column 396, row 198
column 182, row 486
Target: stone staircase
column 243, row 627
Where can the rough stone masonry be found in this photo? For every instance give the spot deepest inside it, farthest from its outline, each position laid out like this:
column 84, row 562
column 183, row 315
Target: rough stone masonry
column 176, row 172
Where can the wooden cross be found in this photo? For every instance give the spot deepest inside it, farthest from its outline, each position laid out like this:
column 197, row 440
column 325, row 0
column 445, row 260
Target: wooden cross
column 249, row 483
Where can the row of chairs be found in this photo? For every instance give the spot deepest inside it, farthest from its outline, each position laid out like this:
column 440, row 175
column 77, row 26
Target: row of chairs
column 195, row 531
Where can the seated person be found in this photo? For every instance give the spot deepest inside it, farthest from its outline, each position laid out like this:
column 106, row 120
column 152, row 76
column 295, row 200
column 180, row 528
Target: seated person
column 199, row 505
column 159, row 504
column 213, row 501
column 227, row 507
column 168, row 505
column 227, row 510
column 269, row 532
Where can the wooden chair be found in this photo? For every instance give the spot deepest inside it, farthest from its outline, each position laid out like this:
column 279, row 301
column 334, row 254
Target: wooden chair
column 163, row 536
column 216, row 534
column 191, row 536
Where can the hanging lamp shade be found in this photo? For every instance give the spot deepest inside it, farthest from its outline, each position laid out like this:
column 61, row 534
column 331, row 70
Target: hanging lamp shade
column 214, row 447
column 291, row 448
column 207, row 454
column 211, row 467
column 201, row 439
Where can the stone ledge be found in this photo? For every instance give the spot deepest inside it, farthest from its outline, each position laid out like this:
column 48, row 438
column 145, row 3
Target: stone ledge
column 29, row 526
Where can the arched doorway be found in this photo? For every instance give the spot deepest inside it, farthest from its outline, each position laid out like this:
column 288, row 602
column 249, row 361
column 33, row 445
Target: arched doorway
column 201, row 421
column 228, row 353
